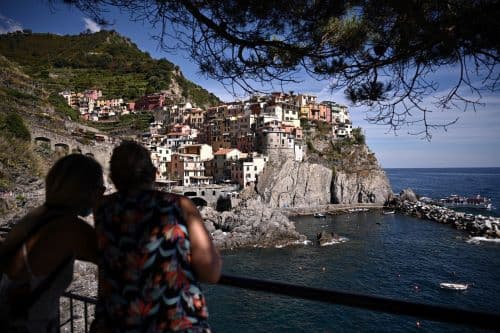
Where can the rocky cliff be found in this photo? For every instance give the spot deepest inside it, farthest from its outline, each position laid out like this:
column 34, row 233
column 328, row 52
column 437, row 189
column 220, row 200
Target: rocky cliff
column 335, row 172
column 358, row 177
column 365, row 186
column 251, row 223
column 295, row 184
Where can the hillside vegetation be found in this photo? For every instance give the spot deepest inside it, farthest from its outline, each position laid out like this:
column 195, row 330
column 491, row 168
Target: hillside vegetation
column 103, row 60
column 23, row 102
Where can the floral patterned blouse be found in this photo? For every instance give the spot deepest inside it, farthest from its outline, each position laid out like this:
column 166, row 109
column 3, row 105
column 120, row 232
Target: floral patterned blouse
column 147, row 283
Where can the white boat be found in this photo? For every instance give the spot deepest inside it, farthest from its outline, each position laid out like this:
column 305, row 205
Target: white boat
column 355, row 210
column 388, row 212
column 454, row 286
column 319, row 215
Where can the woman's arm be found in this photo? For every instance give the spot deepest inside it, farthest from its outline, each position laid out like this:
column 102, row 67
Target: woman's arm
column 205, row 257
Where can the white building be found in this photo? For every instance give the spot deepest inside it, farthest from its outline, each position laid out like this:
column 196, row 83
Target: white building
column 161, row 156
column 303, row 100
column 203, row 150
column 189, row 169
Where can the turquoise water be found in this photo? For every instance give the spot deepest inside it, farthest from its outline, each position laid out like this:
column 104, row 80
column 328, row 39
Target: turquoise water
column 386, row 255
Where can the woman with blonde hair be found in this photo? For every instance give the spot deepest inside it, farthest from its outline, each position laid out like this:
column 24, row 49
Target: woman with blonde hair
column 38, row 254
column 154, row 250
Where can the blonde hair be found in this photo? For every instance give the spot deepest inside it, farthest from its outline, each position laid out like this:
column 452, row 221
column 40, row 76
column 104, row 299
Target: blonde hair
column 131, row 166
column 71, row 180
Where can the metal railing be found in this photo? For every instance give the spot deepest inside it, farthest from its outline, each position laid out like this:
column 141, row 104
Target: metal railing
column 71, row 321
column 476, row 319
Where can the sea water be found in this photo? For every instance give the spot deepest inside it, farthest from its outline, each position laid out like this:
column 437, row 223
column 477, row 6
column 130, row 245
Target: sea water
column 386, row 255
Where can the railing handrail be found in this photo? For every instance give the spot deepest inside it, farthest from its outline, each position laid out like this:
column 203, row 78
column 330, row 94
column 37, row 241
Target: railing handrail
column 369, row 302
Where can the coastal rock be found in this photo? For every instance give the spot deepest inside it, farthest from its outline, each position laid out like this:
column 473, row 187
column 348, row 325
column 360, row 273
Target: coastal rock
column 408, row 195
column 361, row 186
column 295, row 184
column 251, row 223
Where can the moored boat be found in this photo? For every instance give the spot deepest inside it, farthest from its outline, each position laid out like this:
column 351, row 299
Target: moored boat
column 319, row 215
column 455, row 200
column 454, row 286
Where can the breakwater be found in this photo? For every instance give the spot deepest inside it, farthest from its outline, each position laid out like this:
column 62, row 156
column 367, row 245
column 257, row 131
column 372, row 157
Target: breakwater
column 474, row 225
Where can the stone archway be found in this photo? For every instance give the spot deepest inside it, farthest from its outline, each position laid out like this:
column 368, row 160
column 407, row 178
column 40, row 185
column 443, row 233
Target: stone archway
column 76, row 150
column 61, row 148
column 190, row 194
column 90, row 155
column 42, row 142
column 199, row 202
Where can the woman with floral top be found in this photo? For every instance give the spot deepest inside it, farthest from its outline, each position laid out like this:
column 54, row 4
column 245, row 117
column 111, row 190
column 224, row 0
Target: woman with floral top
column 154, row 250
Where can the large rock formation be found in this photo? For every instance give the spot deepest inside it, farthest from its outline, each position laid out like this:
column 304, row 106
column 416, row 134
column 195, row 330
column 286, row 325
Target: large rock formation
column 362, row 186
column 352, row 175
column 295, row 184
column 251, row 223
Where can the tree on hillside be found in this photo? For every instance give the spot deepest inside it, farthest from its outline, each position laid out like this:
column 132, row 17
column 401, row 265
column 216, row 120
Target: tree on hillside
column 383, row 53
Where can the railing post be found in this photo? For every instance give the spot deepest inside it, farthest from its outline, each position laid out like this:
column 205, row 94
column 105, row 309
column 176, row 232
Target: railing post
column 85, row 311
column 71, row 314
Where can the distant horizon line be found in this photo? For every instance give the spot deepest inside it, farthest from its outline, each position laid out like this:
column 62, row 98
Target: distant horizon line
column 454, row 167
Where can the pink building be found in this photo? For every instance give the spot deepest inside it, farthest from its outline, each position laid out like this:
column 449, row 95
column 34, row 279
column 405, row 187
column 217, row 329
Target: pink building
column 93, row 94
column 325, row 113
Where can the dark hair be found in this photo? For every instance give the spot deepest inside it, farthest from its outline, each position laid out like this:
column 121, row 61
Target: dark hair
column 71, row 179
column 131, row 166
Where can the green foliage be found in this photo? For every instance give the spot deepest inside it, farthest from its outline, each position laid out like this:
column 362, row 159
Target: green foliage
column 61, row 107
column 310, row 147
column 196, row 94
column 13, row 125
column 16, row 94
column 16, row 158
column 358, row 136
column 304, row 123
column 323, row 128
column 131, row 122
column 103, row 60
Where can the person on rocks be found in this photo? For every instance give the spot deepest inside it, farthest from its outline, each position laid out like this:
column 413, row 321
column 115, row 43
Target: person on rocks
column 37, row 256
column 154, row 250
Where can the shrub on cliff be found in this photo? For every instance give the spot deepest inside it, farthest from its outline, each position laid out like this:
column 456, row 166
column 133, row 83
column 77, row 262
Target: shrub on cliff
column 358, row 136
column 62, row 107
column 13, row 125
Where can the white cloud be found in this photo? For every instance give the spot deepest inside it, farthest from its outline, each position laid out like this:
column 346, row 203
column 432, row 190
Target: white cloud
column 91, row 25
column 9, row 25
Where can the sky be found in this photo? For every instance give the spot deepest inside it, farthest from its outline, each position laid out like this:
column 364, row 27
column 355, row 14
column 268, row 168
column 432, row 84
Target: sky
column 474, row 141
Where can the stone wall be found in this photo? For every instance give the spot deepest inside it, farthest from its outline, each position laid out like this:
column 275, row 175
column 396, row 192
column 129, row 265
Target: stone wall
column 101, row 151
